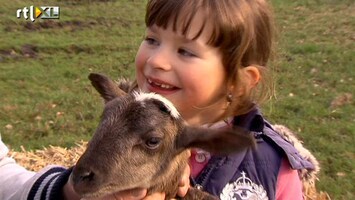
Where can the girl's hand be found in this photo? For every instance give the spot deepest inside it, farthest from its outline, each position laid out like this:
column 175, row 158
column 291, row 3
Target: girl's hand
column 184, row 183
column 134, row 194
column 184, row 186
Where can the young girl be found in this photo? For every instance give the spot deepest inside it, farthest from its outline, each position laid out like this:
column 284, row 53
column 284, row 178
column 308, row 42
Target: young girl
column 209, row 58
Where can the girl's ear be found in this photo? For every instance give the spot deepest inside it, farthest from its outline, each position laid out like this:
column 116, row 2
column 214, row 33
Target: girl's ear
column 251, row 76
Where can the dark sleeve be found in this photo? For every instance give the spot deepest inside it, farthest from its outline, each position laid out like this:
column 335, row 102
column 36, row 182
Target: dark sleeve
column 50, row 185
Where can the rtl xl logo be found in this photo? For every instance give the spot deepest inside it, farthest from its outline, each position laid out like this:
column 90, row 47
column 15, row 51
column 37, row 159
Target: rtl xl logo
column 43, row 12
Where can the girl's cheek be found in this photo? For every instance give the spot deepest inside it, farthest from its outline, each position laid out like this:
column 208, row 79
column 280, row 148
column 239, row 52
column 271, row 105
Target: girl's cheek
column 139, row 68
column 140, row 57
column 139, row 60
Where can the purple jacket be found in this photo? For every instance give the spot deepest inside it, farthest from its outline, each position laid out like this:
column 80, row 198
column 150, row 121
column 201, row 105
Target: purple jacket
column 252, row 172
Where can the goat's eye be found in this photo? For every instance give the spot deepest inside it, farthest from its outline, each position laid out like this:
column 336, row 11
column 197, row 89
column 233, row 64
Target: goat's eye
column 153, row 142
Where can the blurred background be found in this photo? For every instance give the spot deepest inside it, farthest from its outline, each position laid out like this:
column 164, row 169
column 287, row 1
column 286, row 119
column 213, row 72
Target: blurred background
column 46, row 98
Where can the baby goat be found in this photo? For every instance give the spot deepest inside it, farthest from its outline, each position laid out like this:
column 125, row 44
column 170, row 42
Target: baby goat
column 142, row 142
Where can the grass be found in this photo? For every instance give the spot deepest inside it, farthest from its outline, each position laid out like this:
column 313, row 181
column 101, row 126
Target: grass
column 47, row 99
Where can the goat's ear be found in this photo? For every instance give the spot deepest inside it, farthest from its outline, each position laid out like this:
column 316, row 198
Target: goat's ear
column 107, row 88
column 215, row 141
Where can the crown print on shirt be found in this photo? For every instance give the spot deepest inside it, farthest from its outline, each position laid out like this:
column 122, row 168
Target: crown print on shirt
column 243, row 189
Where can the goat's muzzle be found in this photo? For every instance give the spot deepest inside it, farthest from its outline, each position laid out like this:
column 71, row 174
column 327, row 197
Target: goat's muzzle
column 84, row 180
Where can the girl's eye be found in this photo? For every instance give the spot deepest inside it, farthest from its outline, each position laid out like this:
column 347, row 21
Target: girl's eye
column 153, row 142
column 185, row 52
column 151, row 41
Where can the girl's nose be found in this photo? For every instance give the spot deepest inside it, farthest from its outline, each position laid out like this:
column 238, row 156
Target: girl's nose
column 160, row 59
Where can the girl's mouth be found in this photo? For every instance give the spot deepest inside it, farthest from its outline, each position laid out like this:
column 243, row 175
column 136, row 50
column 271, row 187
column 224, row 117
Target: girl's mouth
column 160, row 87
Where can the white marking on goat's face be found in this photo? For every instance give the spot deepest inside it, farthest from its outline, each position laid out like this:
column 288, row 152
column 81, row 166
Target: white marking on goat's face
column 141, row 96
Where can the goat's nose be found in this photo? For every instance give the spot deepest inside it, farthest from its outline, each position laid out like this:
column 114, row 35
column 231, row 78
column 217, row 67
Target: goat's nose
column 86, row 176
column 83, row 180
column 82, row 176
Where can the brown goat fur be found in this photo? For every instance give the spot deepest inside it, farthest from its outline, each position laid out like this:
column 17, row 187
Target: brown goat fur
column 142, row 142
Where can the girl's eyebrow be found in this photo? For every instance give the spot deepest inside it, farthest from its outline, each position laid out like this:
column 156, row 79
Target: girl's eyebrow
column 179, row 37
column 152, row 28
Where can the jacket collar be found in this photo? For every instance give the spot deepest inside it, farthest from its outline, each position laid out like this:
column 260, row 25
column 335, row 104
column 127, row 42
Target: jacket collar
column 252, row 121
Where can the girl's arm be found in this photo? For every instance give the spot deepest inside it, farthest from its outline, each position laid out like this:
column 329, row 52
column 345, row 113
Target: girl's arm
column 289, row 185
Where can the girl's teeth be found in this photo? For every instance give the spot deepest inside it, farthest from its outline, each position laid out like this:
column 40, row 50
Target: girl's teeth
column 165, row 86
column 160, row 85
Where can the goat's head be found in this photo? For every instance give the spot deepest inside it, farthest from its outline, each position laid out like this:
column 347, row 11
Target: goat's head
column 140, row 140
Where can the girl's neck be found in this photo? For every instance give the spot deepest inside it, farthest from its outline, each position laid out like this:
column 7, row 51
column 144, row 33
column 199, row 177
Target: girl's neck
column 222, row 123
column 207, row 115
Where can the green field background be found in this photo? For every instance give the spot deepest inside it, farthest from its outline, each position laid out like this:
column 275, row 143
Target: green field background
column 46, row 98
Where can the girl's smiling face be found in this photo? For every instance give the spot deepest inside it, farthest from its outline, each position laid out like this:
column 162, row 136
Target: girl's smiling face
column 186, row 71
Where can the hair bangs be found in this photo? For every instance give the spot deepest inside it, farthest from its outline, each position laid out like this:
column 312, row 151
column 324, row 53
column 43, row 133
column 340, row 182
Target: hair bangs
column 178, row 14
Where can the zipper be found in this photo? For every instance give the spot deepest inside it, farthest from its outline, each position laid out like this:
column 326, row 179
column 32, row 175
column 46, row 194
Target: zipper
column 201, row 181
column 258, row 136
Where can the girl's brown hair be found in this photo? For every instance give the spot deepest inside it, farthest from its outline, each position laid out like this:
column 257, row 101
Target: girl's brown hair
column 242, row 30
